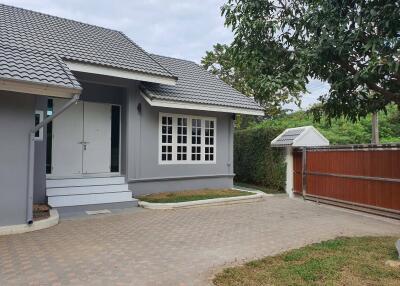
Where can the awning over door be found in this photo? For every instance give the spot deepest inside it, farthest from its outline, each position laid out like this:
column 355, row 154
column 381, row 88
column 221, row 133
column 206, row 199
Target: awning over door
column 34, row 72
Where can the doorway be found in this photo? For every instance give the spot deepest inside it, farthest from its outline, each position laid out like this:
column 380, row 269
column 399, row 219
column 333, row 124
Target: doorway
column 83, row 139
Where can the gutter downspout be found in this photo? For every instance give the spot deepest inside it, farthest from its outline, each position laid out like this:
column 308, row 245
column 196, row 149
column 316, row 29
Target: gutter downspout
column 31, row 156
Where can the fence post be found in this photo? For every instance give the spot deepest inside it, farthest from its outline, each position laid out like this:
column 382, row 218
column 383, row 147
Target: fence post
column 289, row 171
column 304, row 172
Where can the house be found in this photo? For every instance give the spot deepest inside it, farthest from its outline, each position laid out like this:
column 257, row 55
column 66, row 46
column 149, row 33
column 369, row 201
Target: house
column 88, row 118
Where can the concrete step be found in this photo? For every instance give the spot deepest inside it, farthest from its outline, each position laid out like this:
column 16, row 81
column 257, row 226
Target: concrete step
column 85, row 190
column 80, row 211
column 89, row 199
column 84, row 181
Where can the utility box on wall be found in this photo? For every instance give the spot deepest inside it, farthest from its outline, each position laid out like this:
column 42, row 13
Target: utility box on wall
column 305, row 136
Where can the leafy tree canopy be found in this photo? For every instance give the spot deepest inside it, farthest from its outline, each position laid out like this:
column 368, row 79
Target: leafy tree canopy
column 354, row 45
column 341, row 131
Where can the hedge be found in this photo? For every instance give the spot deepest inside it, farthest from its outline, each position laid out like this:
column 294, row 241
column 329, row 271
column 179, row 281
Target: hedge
column 255, row 162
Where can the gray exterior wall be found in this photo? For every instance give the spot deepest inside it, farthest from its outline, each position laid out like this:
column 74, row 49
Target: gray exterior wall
column 16, row 120
column 145, row 174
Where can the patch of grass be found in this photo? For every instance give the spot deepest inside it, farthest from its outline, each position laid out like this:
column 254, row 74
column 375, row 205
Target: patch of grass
column 192, row 195
column 341, row 261
column 259, row 188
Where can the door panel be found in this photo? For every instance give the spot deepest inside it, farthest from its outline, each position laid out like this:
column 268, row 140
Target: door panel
column 67, row 137
column 97, row 135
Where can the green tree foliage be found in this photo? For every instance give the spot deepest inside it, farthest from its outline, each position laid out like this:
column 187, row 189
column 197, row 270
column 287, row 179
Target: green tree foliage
column 341, row 131
column 354, row 45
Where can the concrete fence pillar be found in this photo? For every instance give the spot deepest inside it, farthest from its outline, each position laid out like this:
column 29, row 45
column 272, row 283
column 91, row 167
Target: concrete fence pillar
column 289, row 171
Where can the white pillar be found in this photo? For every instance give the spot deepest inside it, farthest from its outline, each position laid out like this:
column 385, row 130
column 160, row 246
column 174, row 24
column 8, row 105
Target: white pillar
column 289, row 171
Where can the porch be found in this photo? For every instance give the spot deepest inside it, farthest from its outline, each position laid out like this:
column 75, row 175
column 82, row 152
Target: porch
column 83, row 150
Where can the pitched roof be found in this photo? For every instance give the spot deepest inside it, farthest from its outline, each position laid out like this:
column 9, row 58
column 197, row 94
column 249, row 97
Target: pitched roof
column 24, row 65
column 75, row 41
column 196, row 85
column 300, row 137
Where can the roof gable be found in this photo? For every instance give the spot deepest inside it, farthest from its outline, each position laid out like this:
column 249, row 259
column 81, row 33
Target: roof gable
column 75, row 41
column 195, row 85
column 300, row 137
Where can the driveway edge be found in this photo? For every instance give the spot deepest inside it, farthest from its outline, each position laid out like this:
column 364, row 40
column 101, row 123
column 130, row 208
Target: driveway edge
column 257, row 196
column 52, row 220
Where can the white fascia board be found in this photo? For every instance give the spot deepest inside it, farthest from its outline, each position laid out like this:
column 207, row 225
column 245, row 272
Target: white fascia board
column 198, row 106
column 37, row 88
column 119, row 73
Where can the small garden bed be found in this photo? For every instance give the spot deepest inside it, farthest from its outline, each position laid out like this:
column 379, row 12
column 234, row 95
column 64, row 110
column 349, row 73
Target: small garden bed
column 342, row 261
column 192, row 195
column 40, row 211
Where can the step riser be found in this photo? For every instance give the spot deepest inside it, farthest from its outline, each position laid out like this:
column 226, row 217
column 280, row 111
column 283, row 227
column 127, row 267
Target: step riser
column 60, row 183
column 89, row 199
column 85, row 190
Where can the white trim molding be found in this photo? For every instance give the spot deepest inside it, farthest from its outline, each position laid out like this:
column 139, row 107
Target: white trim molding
column 199, row 106
column 37, row 88
column 119, row 73
column 201, row 157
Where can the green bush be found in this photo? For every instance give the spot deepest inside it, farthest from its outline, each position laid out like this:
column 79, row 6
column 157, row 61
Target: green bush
column 255, row 162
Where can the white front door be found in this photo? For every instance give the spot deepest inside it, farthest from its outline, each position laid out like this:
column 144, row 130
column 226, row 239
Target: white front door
column 67, row 138
column 97, row 138
column 81, row 139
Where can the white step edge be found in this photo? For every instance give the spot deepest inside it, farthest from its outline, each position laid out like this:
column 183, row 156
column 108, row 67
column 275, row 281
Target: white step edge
column 85, row 190
column 57, row 183
column 91, row 199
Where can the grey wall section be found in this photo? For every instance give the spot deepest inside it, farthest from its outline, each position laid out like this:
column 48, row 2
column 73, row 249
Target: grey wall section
column 146, row 175
column 39, row 185
column 16, row 120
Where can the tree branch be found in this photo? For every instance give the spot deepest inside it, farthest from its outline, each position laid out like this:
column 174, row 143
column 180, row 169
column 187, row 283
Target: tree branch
column 394, row 97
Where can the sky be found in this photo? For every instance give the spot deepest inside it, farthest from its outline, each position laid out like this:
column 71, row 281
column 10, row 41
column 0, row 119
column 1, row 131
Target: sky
column 177, row 28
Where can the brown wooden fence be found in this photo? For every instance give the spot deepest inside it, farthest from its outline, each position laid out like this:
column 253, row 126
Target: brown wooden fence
column 360, row 177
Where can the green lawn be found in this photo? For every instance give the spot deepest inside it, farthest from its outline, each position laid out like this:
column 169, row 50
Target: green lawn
column 342, row 261
column 192, row 195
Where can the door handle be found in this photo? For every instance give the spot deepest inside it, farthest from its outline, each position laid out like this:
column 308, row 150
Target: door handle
column 84, row 143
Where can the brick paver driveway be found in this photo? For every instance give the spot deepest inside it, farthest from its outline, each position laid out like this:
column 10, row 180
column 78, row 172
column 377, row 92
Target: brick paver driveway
column 182, row 247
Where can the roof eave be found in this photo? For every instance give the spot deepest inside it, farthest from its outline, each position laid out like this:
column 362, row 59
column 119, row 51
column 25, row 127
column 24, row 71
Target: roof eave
column 120, row 73
column 30, row 87
column 197, row 106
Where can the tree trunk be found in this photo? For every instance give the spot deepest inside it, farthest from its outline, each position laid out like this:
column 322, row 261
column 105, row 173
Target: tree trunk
column 375, row 129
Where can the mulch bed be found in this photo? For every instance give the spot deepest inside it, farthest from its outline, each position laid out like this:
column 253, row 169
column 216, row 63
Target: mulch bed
column 40, row 211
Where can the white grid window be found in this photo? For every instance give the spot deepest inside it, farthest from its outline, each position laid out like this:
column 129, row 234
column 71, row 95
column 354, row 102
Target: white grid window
column 182, row 142
column 209, row 140
column 166, row 138
column 196, row 139
column 187, row 139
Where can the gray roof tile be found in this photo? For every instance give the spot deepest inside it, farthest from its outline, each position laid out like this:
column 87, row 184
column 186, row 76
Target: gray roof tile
column 287, row 137
column 196, row 85
column 74, row 40
column 34, row 66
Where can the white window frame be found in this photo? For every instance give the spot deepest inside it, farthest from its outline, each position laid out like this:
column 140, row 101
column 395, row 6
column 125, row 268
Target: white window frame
column 189, row 161
column 41, row 116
